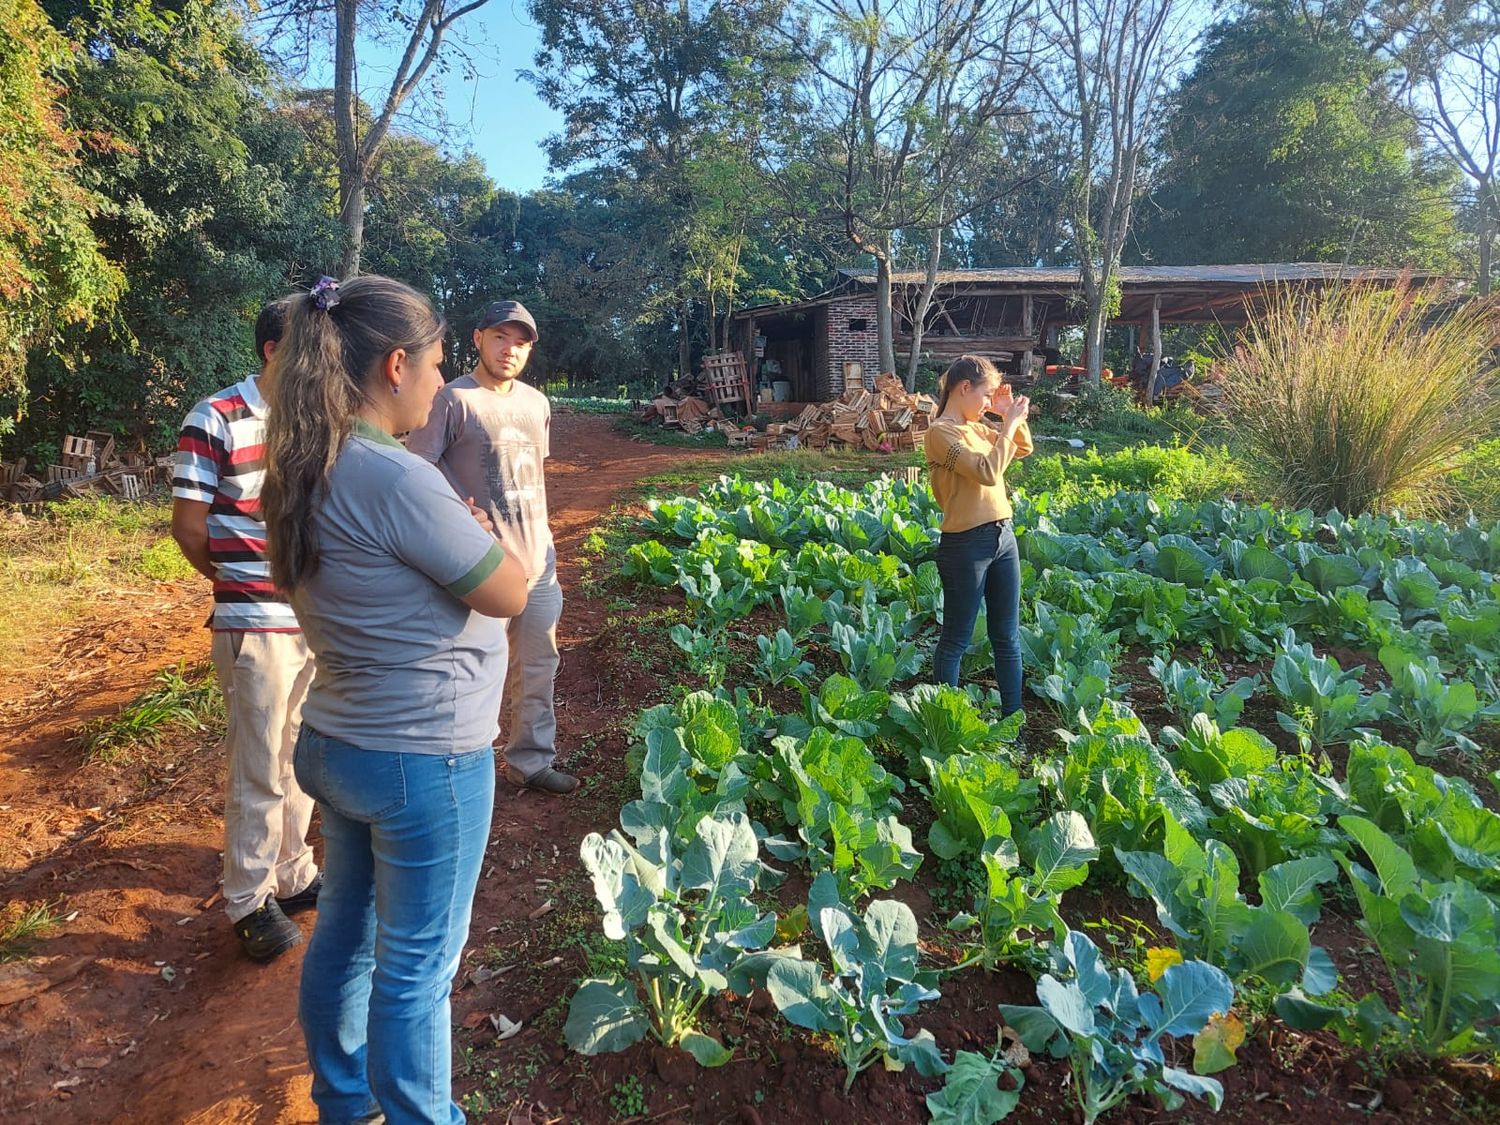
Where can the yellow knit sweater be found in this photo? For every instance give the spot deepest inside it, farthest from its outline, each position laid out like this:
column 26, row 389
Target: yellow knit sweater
column 967, row 461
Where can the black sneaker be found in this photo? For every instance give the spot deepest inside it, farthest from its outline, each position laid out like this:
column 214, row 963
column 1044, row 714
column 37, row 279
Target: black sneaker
column 267, row 933
column 305, row 899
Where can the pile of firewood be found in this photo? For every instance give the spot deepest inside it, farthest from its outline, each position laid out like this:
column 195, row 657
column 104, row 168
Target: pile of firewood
column 885, row 419
column 91, row 465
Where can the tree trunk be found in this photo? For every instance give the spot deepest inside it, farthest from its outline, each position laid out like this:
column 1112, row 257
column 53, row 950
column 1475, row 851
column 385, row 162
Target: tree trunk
column 883, row 311
column 1093, row 339
column 684, row 345
column 924, row 302
column 346, row 138
column 1155, row 350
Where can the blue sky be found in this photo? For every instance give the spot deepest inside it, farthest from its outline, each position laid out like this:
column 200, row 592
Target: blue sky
column 497, row 114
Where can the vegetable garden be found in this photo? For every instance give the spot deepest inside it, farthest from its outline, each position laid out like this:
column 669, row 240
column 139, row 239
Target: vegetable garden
column 1246, row 815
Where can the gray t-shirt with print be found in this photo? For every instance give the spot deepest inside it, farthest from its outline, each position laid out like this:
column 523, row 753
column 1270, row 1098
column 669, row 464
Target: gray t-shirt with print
column 403, row 664
column 491, row 445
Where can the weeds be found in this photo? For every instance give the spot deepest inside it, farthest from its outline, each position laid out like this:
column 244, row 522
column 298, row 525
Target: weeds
column 629, row 1099
column 21, row 926
column 183, row 698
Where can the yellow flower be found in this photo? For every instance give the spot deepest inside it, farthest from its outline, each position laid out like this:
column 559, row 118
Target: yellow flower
column 1159, row 961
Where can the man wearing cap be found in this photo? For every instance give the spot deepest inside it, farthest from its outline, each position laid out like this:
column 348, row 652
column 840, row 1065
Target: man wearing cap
column 489, row 434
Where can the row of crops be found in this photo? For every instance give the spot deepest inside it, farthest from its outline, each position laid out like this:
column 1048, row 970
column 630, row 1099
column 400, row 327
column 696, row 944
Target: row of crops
column 1237, row 846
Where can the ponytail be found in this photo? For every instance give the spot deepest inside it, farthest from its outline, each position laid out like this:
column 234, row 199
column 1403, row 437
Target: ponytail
column 335, row 336
column 964, row 369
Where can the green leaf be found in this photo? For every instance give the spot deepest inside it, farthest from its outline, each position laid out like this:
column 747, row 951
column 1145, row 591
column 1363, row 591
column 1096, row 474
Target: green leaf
column 972, row 1095
column 1302, row 1014
column 1393, row 867
column 706, row 1049
column 1190, row 993
column 1274, row 947
column 1293, row 886
column 723, row 859
column 1064, row 849
column 802, row 995
column 604, row 1015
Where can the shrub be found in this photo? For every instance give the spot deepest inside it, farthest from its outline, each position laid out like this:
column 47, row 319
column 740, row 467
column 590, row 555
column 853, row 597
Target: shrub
column 1363, row 398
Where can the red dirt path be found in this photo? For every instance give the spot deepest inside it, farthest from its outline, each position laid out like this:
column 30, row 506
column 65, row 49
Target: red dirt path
column 134, row 850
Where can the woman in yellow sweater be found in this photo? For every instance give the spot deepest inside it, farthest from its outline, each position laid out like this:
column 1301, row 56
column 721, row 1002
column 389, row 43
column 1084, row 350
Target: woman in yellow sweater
column 977, row 556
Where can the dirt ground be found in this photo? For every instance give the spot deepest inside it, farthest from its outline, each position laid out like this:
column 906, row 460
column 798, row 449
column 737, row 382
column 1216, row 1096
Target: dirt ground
column 160, row 1019
column 163, row 1021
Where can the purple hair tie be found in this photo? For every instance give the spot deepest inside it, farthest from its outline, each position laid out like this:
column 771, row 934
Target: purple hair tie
column 325, row 293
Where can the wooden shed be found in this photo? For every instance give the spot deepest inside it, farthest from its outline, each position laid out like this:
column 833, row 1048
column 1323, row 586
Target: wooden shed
column 820, row 345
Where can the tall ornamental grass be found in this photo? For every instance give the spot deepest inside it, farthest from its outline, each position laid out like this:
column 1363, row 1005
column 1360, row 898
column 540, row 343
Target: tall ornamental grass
column 1364, row 398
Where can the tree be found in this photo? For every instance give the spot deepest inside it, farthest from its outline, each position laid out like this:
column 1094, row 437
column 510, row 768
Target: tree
column 209, row 204
column 1118, row 58
column 903, row 96
column 1288, row 143
column 663, row 101
column 423, row 27
column 1451, row 50
column 52, row 272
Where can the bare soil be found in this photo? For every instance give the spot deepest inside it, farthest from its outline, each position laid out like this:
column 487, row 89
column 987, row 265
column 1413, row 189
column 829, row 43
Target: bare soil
column 134, row 850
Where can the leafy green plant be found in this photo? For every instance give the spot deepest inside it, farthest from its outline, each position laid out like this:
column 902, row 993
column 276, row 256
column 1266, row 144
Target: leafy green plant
column 692, row 765
column 1122, row 784
column 875, row 655
column 1275, row 814
column 841, row 802
column 780, row 659
column 707, row 651
column 1328, row 704
column 1210, row 755
column 1440, row 943
column 841, row 705
column 1440, row 712
column 978, row 1090
column 1014, row 903
column 1196, row 889
column 689, row 933
column 1189, row 692
column 938, row 721
column 1111, row 1032
column 975, row 796
column 875, row 984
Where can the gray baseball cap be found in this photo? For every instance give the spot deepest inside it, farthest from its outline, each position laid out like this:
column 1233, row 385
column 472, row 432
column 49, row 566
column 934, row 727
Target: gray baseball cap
column 506, row 312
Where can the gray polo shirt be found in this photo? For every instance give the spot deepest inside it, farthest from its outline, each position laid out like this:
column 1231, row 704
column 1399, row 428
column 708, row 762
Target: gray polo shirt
column 403, row 665
column 491, row 446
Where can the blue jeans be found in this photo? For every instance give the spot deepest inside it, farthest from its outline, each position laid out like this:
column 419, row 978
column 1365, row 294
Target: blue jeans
column 404, row 837
column 982, row 562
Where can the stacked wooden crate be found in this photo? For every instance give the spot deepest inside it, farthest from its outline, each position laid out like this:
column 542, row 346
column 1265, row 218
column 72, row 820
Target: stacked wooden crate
column 89, row 465
column 883, row 419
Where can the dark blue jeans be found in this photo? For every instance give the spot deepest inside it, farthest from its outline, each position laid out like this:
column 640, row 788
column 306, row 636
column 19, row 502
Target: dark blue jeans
column 981, row 563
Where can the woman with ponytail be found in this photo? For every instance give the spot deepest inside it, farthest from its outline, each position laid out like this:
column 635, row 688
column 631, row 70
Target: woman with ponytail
column 977, row 557
column 399, row 587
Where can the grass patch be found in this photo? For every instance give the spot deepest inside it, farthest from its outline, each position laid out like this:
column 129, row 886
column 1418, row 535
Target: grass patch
column 21, row 926
column 180, row 699
column 54, row 564
column 659, row 435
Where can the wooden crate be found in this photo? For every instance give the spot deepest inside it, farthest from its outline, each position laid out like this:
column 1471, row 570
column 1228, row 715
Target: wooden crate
column 727, row 378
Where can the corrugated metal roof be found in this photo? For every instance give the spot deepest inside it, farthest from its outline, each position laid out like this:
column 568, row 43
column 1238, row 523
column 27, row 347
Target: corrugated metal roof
column 1258, row 273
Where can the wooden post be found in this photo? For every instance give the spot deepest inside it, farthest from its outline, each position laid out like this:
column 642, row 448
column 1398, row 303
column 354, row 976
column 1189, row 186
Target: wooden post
column 1155, row 348
column 1028, row 329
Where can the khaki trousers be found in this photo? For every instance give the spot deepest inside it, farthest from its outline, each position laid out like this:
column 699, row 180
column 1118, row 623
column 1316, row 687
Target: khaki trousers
column 528, row 721
column 264, row 677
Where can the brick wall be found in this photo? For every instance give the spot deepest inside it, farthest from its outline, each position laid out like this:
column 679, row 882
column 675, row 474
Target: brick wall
column 846, row 345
